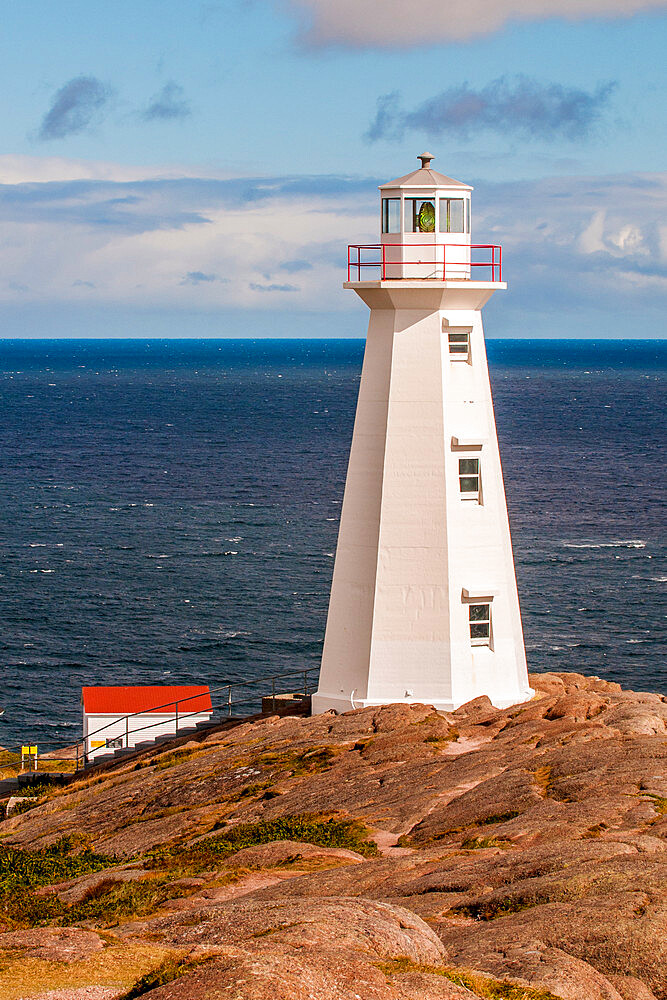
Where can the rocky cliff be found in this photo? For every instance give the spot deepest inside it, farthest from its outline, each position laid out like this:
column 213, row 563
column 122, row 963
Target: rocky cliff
column 384, row 854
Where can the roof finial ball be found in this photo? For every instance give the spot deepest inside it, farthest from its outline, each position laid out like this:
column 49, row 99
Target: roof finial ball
column 426, row 160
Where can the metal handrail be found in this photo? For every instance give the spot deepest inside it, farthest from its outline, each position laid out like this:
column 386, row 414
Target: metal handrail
column 227, row 704
column 380, row 249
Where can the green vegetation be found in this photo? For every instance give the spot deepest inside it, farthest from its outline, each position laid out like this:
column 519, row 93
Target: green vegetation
column 24, row 806
column 166, row 972
column 659, row 803
column 309, row 829
column 21, row 869
column 499, row 818
column 299, row 763
column 21, row 872
column 479, row 843
column 110, row 901
column 482, row 986
column 181, row 756
column 491, row 909
column 38, row 789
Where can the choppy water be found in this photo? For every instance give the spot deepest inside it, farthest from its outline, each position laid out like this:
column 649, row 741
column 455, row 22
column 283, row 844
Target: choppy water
column 170, row 510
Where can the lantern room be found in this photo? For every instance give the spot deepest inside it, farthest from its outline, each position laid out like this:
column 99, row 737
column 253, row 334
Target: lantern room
column 425, row 225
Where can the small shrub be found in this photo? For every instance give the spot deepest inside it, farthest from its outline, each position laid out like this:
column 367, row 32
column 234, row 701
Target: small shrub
column 24, row 806
column 38, row 789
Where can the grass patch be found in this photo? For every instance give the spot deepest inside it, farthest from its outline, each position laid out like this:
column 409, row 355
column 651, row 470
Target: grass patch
column 21, row 872
column 38, row 789
column 659, row 803
column 117, row 967
column 166, row 972
column 594, row 831
column 111, row 901
column 309, row 829
column 29, row 869
column 24, row 806
column 310, row 761
column 542, row 778
column 479, row 843
column 254, row 790
column 175, row 757
column 482, row 986
column 499, row 818
column 492, row 909
column 451, row 737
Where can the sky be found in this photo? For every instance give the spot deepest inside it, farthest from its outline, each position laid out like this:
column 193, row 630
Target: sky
column 172, row 169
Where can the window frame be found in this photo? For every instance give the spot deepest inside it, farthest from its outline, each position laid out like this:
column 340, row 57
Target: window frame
column 411, row 215
column 446, row 204
column 386, row 217
column 454, row 338
column 470, row 494
column 480, row 640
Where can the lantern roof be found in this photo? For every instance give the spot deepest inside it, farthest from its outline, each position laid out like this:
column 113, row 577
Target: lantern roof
column 424, row 177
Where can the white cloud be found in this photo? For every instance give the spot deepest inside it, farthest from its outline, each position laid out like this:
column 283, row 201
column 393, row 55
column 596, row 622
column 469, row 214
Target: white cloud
column 365, row 23
column 115, row 237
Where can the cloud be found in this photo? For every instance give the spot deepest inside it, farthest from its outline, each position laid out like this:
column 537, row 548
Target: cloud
column 75, row 108
column 169, row 104
column 594, row 246
column 197, row 277
column 519, row 106
column 272, row 288
column 396, row 24
column 294, row 266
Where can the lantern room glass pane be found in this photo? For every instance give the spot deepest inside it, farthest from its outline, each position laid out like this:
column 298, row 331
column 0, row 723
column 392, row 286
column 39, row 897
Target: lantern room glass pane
column 391, row 215
column 456, row 224
column 452, row 215
column 419, row 215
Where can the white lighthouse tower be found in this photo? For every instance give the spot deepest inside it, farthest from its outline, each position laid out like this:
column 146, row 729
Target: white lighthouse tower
column 424, row 604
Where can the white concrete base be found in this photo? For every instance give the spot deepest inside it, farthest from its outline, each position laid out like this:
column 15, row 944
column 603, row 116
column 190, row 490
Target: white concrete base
column 340, row 704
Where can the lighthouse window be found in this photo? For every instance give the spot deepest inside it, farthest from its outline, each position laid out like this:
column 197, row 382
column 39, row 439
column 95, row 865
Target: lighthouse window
column 391, row 215
column 469, row 478
column 480, row 624
column 419, row 215
column 452, row 215
column 459, row 345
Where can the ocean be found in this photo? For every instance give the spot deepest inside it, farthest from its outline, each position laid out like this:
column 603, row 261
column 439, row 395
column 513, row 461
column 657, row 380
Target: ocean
column 170, row 511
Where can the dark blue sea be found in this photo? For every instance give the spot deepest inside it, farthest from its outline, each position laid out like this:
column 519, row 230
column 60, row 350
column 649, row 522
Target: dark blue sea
column 169, row 510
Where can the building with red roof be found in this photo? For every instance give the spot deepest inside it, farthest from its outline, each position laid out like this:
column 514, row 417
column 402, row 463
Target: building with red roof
column 121, row 717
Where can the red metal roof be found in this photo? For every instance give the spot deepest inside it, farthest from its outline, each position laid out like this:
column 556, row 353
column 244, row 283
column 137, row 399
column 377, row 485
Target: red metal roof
column 156, row 700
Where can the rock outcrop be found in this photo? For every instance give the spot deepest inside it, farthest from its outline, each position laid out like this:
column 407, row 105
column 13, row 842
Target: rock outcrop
column 524, row 846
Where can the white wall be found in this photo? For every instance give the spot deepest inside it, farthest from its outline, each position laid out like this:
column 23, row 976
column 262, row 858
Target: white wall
column 136, row 729
column 409, row 544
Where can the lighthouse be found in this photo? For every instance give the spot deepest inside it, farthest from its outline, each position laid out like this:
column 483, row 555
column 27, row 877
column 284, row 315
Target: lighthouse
column 424, row 604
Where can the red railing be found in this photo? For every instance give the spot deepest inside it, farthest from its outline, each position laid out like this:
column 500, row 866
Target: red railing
column 448, row 261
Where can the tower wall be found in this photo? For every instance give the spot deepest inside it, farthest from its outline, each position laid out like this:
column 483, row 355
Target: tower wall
column 412, row 554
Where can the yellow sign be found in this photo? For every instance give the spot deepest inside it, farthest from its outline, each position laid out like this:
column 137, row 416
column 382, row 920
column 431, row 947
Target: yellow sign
column 26, row 751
